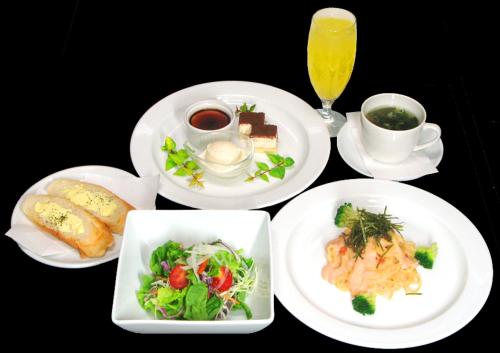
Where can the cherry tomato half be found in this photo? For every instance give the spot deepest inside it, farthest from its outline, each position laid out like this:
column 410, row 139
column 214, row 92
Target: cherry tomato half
column 223, row 281
column 177, row 277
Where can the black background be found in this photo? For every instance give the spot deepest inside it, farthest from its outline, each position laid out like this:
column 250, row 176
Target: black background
column 78, row 75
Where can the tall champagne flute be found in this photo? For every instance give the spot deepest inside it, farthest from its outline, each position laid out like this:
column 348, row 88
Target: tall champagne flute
column 331, row 50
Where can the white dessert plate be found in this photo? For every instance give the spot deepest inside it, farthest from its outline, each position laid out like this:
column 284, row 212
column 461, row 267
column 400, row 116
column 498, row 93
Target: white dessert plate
column 302, row 135
column 453, row 292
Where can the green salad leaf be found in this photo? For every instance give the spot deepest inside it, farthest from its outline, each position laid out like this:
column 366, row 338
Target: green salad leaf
column 224, row 258
column 214, row 304
column 172, row 300
column 214, row 267
column 169, row 252
column 248, row 261
column 146, row 281
column 192, row 277
column 196, row 302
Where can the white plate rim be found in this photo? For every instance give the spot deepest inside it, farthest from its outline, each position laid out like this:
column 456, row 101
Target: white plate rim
column 362, row 170
column 289, row 295
column 79, row 169
column 319, row 147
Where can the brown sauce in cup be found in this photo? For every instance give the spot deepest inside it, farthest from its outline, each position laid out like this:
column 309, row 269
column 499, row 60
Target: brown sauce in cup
column 209, row 119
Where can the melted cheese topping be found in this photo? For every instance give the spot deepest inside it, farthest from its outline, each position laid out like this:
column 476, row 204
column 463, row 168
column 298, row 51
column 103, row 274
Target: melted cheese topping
column 94, row 201
column 59, row 217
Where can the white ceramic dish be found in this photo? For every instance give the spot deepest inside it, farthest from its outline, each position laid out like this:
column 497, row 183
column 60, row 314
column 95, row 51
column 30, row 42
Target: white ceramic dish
column 194, row 133
column 71, row 259
column 454, row 291
column 349, row 153
column 301, row 134
column 146, row 230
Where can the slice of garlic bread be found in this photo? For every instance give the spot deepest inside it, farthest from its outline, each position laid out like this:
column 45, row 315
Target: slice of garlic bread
column 70, row 223
column 99, row 201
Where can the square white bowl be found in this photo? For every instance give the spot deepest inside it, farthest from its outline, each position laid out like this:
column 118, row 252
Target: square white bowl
column 147, row 229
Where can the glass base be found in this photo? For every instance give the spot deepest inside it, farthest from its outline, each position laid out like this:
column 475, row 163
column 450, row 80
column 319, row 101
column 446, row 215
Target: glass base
column 334, row 121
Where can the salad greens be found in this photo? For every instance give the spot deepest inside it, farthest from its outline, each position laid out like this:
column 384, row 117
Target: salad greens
column 202, row 282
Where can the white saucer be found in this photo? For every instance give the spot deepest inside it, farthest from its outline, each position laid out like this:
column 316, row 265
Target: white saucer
column 349, row 153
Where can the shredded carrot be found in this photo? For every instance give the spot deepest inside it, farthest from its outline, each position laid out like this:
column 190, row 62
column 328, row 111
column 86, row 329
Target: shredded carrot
column 231, row 299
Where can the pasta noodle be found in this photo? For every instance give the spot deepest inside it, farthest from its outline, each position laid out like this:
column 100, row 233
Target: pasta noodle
column 383, row 268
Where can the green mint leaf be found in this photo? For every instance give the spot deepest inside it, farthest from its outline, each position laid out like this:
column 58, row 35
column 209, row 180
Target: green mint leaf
column 249, row 179
column 275, row 158
column 175, row 158
column 277, row 172
column 178, row 160
column 191, row 165
column 169, row 164
column 252, row 108
column 289, row 162
column 164, row 148
column 183, row 155
column 262, row 166
column 264, row 177
column 170, row 144
column 244, row 107
column 181, row 172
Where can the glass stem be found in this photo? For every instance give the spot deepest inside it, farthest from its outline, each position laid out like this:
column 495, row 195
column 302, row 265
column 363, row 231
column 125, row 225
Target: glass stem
column 326, row 112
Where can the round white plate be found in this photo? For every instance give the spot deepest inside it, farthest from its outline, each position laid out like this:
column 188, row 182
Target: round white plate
column 72, row 258
column 349, row 153
column 453, row 291
column 302, row 135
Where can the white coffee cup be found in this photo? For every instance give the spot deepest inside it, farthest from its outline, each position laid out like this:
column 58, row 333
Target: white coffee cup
column 394, row 146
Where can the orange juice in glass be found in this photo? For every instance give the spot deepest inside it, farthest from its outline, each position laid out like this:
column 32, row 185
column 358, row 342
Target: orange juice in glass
column 331, row 51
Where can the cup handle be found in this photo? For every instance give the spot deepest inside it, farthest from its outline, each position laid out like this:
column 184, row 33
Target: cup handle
column 437, row 135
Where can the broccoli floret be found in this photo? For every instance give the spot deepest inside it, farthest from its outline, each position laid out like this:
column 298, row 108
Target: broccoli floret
column 346, row 215
column 426, row 255
column 364, row 304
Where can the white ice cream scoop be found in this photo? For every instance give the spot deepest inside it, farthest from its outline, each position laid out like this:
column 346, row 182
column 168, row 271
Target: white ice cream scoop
column 223, row 152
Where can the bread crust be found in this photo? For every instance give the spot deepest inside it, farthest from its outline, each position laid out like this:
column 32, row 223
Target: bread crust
column 95, row 240
column 115, row 221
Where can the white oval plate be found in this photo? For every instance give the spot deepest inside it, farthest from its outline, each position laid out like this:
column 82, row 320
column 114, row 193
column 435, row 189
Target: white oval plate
column 302, row 135
column 454, row 291
column 72, row 258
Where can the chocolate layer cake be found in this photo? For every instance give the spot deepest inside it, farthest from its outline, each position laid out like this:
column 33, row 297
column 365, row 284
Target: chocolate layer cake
column 248, row 120
column 265, row 138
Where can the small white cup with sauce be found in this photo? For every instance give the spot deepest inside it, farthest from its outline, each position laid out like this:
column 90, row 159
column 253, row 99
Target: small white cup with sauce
column 207, row 116
column 394, row 146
